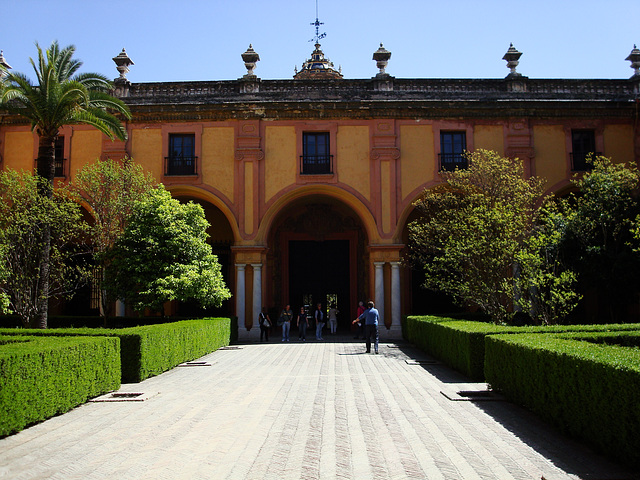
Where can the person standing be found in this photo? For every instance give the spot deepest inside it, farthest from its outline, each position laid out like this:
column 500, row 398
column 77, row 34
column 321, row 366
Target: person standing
column 302, row 324
column 285, row 318
column 360, row 311
column 370, row 319
column 333, row 319
column 265, row 324
column 319, row 316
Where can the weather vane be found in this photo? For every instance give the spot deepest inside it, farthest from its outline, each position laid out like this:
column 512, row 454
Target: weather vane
column 317, row 24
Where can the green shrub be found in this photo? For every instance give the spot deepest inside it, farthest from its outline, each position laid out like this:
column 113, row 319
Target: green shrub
column 460, row 343
column 581, row 382
column 42, row 377
column 152, row 349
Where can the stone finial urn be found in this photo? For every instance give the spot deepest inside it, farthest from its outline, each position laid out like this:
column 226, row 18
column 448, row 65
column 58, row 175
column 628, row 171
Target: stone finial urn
column 4, row 63
column 512, row 56
column 123, row 62
column 634, row 58
column 381, row 56
column 250, row 58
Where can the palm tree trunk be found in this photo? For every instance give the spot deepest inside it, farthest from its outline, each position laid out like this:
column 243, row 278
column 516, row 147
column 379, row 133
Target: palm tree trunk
column 45, row 169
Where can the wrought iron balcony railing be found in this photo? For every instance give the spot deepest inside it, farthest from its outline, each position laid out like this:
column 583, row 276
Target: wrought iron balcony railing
column 316, row 164
column 450, row 161
column 181, row 165
column 580, row 161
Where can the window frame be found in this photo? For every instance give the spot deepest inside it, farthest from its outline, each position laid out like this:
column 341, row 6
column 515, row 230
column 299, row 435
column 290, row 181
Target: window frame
column 463, row 162
column 578, row 156
column 186, row 129
column 327, row 127
column 321, row 163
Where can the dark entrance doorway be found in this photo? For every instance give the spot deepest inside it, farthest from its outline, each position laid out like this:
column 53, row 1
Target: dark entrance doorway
column 319, row 272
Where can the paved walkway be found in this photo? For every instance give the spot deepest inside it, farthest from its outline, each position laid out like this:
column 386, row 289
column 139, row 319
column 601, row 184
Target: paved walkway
column 300, row 411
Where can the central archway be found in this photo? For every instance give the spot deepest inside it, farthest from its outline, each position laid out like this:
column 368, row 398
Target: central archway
column 318, row 254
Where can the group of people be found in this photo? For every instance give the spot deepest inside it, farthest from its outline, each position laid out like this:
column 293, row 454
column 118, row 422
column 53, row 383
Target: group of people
column 367, row 320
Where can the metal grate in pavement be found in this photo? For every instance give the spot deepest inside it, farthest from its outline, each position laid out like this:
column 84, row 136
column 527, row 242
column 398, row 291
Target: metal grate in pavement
column 124, row 397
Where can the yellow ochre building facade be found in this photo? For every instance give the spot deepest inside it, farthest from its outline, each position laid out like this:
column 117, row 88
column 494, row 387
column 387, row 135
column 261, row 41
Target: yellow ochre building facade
column 308, row 183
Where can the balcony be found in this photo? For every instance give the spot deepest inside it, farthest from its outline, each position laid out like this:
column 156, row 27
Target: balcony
column 316, row 164
column 450, row 161
column 181, row 165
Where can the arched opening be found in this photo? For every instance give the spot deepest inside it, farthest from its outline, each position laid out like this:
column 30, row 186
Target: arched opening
column 221, row 239
column 418, row 300
column 317, row 254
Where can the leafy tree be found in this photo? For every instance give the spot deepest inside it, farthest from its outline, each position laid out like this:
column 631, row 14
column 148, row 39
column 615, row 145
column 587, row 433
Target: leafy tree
column 545, row 286
column 472, row 228
column 163, row 256
column 110, row 188
column 599, row 241
column 60, row 97
column 23, row 215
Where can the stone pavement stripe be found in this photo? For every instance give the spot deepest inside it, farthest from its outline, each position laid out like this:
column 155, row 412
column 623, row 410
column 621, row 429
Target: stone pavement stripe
column 354, row 404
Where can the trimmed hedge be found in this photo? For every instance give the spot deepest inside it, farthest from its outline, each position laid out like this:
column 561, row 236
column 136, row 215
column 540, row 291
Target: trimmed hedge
column 152, row 349
column 460, row 343
column 584, row 384
column 43, row 377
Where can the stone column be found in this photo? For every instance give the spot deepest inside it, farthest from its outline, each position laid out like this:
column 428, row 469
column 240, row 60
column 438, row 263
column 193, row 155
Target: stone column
column 240, row 289
column 257, row 294
column 379, row 282
column 396, row 301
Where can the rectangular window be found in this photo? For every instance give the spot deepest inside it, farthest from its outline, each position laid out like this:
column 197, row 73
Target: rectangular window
column 316, row 154
column 583, row 144
column 182, row 157
column 452, row 148
column 58, row 155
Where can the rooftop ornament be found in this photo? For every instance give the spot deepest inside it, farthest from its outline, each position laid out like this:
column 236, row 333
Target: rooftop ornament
column 250, row 58
column 634, row 58
column 4, row 63
column 382, row 56
column 512, row 56
column 123, row 62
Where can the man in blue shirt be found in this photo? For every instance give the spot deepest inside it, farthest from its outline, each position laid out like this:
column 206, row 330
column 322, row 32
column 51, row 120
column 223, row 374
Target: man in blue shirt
column 370, row 318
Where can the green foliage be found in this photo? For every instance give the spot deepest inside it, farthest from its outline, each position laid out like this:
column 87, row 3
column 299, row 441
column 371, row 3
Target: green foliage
column 461, row 343
column 598, row 242
column 24, row 214
column 43, row 377
column 545, row 285
column 60, row 97
column 110, row 188
column 587, row 390
column 472, row 229
column 152, row 349
column 163, row 256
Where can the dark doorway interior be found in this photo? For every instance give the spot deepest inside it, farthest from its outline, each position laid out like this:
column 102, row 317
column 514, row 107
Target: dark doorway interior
column 317, row 271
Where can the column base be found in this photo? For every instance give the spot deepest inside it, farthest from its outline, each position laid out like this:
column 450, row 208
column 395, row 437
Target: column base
column 393, row 333
column 252, row 335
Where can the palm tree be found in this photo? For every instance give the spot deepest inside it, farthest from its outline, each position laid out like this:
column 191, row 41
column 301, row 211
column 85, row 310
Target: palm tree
column 60, row 97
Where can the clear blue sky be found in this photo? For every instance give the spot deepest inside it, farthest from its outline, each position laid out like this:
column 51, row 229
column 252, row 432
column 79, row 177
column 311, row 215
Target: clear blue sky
column 171, row 40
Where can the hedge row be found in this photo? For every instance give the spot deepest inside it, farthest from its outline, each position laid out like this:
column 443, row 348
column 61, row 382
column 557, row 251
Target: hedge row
column 460, row 344
column 587, row 385
column 91, row 321
column 40, row 378
column 152, row 349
